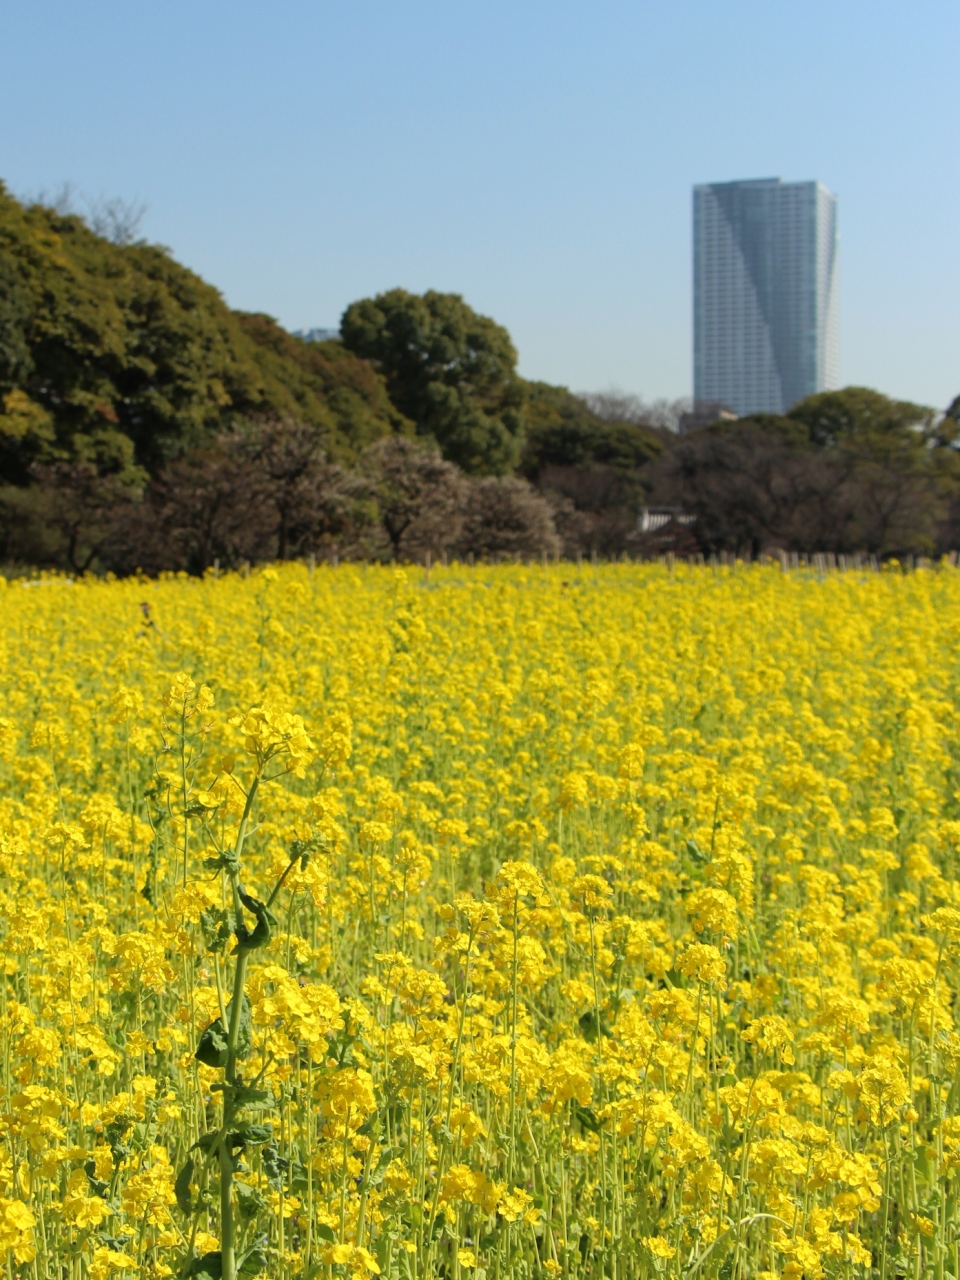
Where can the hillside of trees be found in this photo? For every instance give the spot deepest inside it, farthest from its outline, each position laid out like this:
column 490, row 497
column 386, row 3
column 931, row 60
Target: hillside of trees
column 144, row 424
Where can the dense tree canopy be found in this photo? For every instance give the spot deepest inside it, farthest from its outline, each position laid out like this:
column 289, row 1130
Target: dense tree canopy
column 841, row 471
column 857, row 414
column 103, row 345
column 448, row 369
column 855, row 419
column 143, row 422
column 562, row 431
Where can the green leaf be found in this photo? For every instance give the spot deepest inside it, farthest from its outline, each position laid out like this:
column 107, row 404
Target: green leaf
column 588, row 1026
column 371, row 1123
column 115, row 1132
column 274, row 1165
column 260, row 935
column 588, row 1119
column 376, row 1175
column 384, row 1241
column 198, row 811
column 437, row 1228
column 326, row 1233
column 249, row 1200
column 252, row 1262
column 297, row 1181
column 209, row 1267
column 217, row 925
column 212, row 1049
column 240, row 1096
column 181, row 1188
column 254, row 1134
column 97, row 1186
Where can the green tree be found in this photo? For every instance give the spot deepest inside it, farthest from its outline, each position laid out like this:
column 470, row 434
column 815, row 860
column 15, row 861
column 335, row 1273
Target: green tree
column 562, row 431
column 858, row 416
column 845, row 471
column 324, row 384
column 895, row 437
column 788, row 431
column 449, row 370
column 100, row 338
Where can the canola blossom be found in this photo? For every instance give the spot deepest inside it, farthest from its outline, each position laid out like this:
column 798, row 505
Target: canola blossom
column 481, row 923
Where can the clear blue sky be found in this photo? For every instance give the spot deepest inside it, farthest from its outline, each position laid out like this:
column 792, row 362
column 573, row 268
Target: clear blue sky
column 534, row 155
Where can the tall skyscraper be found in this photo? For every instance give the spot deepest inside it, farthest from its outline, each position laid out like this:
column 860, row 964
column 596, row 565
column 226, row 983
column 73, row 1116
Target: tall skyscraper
column 764, row 293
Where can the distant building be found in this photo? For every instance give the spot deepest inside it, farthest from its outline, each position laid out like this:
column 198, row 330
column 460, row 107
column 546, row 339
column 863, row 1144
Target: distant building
column 653, row 519
column 703, row 414
column 764, row 293
column 317, row 335
column 664, row 529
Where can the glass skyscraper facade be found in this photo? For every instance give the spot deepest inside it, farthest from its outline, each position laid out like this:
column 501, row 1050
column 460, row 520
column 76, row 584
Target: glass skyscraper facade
column 764, row 293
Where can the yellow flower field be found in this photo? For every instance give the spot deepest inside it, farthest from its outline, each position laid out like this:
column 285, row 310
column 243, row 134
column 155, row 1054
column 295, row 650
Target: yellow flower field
column 496, row 922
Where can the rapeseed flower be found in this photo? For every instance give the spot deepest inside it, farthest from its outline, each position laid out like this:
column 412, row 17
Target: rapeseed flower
column 594, row 921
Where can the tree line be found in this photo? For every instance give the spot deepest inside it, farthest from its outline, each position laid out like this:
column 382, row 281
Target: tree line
column 144, row 424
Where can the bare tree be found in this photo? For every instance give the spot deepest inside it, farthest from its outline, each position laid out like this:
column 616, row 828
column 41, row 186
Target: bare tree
column 621, row 406
column 115, row 219
column 67, row 517
column 576, row 530
column 595, row 507
column 750, row 490
column 263, row 491
column 62, row 199
column 420, row 497
column 504, row 516
column 203, row 507
column 898, row 510
column 310, row 504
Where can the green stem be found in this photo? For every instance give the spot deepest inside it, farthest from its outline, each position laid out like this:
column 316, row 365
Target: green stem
column 512, row 1157
column 228, row 1253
